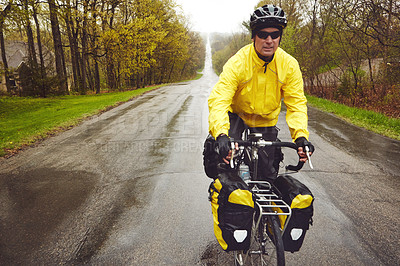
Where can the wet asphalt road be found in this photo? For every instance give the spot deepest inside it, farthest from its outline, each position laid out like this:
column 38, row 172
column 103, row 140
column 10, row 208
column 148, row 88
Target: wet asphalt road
column 128, row 188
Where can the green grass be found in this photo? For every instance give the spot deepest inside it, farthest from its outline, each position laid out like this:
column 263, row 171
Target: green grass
column 198, row 76
column 24, row 121
column 370, row 120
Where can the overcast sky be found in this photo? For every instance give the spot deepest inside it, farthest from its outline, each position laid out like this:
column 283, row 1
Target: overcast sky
column 217, row 15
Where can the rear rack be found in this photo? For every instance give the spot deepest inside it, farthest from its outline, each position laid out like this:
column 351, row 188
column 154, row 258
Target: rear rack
column 269, row 202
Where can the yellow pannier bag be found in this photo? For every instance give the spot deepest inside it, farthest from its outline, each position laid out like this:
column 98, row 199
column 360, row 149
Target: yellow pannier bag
column 232, row 205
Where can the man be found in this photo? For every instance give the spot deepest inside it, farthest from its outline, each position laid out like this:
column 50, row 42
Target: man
column 250, row 89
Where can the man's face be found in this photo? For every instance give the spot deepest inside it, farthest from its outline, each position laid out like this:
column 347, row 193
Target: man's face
column 267, row 47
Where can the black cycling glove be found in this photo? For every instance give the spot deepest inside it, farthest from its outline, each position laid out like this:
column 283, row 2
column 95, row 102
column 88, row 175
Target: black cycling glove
column 223, row 145
column 303, row 142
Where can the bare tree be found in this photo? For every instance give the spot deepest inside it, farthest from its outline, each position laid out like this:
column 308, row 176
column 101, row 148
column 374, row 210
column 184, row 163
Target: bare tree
column 40, row 50
column 58, row 47
column 3, row 15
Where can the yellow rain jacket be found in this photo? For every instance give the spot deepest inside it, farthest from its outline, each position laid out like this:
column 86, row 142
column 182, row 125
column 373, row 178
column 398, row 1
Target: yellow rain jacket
column 247, row 88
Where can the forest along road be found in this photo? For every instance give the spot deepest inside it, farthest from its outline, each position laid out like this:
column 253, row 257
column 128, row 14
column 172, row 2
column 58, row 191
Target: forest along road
column 127, row 187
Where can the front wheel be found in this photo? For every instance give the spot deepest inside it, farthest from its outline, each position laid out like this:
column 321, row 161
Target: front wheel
column 267, row 249
column 274, row 232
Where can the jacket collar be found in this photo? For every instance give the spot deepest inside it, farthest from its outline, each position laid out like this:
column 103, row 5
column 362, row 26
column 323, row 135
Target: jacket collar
column 259, row 62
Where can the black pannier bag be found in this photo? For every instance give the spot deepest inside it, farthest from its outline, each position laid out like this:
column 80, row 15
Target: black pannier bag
column 232, row 206
column 210, row 157
column 300, row 200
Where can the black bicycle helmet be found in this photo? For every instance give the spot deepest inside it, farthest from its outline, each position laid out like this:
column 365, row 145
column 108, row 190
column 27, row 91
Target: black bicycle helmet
column 267, row 16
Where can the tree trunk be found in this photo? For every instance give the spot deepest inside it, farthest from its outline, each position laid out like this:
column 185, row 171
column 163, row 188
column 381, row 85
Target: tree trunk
column 111, row 79
column 94, row 47
column 58, row 49
column 73, row 47
column 84, row 58
column 387, row 33
column 137, row 77
column 116, row 76
column 3, row 15
column 96, row 77
column 39, row 43
column 75, row 38
column 110, row 66
column 31, row 43
column 170, row 72
column 371, row 74
column 89, row 74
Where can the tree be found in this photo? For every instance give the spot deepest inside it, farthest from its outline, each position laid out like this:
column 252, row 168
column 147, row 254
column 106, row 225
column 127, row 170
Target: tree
column 3, row 16
column 94, row 46
column 293, row 9
column 72, row 34
column 58, row 48
column 234, row 43
column 42, row 83
column 107, row 23
column 131, row 43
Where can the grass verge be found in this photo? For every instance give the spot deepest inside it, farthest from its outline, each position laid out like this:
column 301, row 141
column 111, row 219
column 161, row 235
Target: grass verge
column 24, row 121
column 370, row 120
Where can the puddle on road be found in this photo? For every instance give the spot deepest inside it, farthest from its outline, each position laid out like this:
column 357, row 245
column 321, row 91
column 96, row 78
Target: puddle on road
column 131, row 194
column 160, row 149
column 34, row 203
column 171, row 127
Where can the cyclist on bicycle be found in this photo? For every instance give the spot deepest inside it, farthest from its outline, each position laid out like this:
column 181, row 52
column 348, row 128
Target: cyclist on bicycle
column 250, row 88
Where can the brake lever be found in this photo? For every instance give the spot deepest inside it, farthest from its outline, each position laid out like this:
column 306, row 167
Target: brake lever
column 232, row 155
column 308, row 157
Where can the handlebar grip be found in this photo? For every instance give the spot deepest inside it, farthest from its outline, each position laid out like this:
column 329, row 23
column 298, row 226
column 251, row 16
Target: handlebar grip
column 295, row 167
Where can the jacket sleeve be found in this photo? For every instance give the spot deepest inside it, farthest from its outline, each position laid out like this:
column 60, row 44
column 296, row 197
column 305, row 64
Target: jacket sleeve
column 296, row 102
column 220, row 99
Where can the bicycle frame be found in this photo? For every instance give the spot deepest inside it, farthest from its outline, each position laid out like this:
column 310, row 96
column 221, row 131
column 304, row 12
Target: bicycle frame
column 266, row 198
column 268, row 202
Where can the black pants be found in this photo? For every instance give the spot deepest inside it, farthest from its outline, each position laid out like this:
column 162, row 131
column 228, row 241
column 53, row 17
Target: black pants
column 268, row 157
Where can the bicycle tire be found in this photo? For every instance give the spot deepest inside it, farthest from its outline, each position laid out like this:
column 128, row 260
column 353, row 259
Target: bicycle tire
column 267, row 247
column 275, row 234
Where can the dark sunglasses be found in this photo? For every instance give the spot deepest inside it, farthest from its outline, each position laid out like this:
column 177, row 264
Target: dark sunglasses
column 264, row 35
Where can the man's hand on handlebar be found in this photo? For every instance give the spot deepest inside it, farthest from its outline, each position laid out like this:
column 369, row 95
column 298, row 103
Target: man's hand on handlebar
column 303, row 144
column 224, row 148
column 231, row 153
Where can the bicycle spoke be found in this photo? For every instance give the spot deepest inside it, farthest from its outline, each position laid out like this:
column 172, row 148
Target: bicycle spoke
column 262, row 248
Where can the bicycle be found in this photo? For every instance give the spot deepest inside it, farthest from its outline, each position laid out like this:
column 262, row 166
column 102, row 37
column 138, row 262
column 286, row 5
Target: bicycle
column 266, row 246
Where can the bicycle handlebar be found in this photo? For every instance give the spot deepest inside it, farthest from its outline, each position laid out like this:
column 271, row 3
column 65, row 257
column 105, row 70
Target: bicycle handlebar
column 263, row 143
